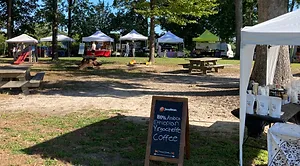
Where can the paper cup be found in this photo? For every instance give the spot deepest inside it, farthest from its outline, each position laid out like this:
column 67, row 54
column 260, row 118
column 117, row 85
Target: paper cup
column 262, row 104
column 250, row 104
column 275, row 109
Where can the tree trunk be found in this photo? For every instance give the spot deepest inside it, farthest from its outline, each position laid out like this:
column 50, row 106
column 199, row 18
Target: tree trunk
column 292, row 5
column 238, row 25
column 70, row 25
column 54, row 31
column 268, row 9
column 9, row 25
column 283, row 72
column 70, row 18
column 152, row 34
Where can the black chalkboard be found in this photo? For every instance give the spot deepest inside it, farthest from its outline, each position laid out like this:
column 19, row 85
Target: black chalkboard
column 167, row 129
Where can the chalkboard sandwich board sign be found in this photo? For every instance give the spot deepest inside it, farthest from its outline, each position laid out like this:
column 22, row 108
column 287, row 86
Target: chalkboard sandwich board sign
column 168, row 132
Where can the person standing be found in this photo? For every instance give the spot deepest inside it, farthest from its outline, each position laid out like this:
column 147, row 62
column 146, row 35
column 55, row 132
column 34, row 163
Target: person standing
column 133, row 49
column 93, row 46
column 127, row 49
column 15, row 53
column 34, row 54
column 159, row 50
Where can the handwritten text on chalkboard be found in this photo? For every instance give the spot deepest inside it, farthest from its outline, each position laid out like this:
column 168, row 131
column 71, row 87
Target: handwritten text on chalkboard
column 166, row 129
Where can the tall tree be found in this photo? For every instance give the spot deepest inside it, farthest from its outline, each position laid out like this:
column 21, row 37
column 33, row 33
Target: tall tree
column 9, row 24
column 220, row 24
column 70, row 7
column 177, row 11
column 268, row 10
column 103, row 17
column 83, row 10
column 23, row 15
column 126, row 19
column 250, row 16
column 239, row 24
column 54, row 30
column 51, row 14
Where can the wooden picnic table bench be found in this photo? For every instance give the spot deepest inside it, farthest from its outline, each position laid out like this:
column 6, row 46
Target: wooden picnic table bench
column 15, row 84
column 36, row 80
column 19, row 77
column 204, row 64
column 89, row 61
column 185, row 65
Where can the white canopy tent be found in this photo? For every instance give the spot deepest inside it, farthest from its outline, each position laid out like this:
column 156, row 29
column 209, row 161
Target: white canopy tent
column 98, row 37
column 133, row 36
column 282, row 30
column 23, row 39
column 60, row 38
column 169, row 37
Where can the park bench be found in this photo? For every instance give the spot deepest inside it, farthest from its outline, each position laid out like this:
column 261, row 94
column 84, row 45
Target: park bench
column 185, row 65
column 215, row 67
column 36, row 80
column 15, row 84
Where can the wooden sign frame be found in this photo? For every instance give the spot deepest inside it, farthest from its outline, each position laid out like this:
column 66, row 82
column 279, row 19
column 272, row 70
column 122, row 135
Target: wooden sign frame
column 184, row 135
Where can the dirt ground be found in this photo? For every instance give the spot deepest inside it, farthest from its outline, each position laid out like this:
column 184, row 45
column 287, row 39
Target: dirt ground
column 118, row 87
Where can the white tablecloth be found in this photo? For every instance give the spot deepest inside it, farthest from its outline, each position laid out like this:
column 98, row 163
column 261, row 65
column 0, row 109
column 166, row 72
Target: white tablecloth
column 284, row 145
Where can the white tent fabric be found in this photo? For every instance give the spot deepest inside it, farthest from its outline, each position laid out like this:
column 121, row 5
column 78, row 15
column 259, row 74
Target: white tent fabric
column 60, row 38
column 169, row 37
column 22, row 39
column 133, row 36
column 282, row 30
column 99, row 37
column 272, row 56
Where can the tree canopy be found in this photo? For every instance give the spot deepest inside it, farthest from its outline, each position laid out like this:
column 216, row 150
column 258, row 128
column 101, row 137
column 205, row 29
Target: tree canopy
column 185, row 18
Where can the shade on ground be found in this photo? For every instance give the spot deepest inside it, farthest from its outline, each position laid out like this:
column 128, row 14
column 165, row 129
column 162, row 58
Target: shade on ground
column 206, row 36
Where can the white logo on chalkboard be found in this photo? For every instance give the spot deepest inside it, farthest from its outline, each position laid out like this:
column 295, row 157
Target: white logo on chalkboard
column 162, row 109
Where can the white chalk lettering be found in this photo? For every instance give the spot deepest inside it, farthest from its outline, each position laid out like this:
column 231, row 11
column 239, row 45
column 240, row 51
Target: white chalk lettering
column 161, row 117
column 167, row 129
column 173, row 118
column 166, row 123
column 165, row 137
column 170, row 110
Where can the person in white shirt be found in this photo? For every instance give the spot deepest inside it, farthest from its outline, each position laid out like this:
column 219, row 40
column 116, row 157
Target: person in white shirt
column 93, row 47
column 133, row 50
column 15, row 53
column 127, row 49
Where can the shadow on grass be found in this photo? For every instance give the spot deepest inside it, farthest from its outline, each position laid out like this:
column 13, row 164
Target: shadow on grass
column 63, row 65
column 118, row 141
column 177, row 72
column 128, row 74
column 119, row 89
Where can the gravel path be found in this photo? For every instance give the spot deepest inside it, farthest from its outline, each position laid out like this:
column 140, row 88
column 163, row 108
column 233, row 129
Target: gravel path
column 211, row 97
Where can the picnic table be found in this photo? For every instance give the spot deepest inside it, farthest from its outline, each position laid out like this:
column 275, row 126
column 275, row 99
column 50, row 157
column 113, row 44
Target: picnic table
column 11, row 72
column 15, row 76
column 89, row 61
column 205, row 64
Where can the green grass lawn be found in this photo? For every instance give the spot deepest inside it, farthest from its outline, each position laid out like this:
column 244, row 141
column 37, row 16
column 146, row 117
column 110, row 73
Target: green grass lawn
column 126, row 60
column 100, row 138
column 158, row 61
column 104, row 138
